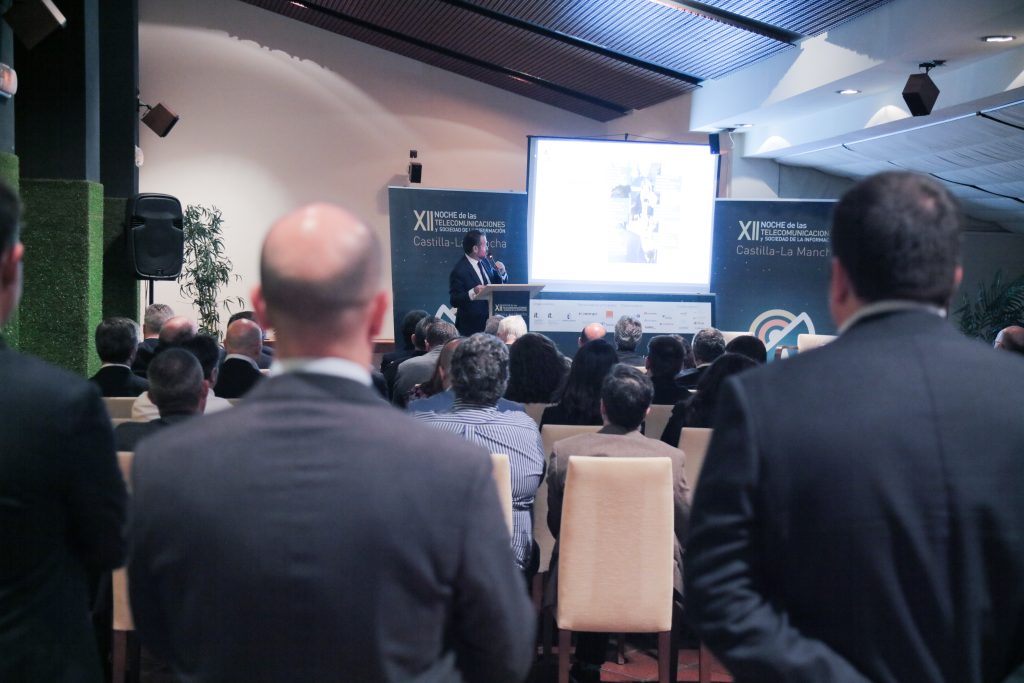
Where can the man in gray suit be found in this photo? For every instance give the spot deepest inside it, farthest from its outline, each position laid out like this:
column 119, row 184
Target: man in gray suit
column 307, row 535
column 859, row 515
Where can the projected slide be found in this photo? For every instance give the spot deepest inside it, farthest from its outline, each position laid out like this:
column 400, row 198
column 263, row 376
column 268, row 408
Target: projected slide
column 620, row 216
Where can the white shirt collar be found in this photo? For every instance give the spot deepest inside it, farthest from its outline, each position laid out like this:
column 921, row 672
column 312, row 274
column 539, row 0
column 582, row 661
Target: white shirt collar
column 115, row 365
column 890, row 306
column 335, row 367
column 240, row 356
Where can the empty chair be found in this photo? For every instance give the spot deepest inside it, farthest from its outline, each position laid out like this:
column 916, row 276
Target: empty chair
column 694, row 442
column 806, row 342
column 654, row 423
column 120, row 407
column 503, row 479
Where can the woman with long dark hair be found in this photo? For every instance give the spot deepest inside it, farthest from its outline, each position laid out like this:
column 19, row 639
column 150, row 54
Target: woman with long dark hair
column 580, row 403
column 699, row 409
column 536, row 369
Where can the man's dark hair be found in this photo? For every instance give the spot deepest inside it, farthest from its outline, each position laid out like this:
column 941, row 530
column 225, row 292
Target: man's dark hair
column 408, row 327
column 626, row 393
column 471, row 239
column 240, row 315
column 175, row 381
column 708, row 344
column 479, row 371
column 116, row 340
column 440, row 332
column 897, row 236
column 628, row 331
column 700, row 410
column 206, row 350
column 581, row 395
column 420, row 332
column 750, row 346
column 10, row 217
column 665, row 354
column 535, row 369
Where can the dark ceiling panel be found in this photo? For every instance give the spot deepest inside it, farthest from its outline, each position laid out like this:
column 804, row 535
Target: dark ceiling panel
column 808, row 17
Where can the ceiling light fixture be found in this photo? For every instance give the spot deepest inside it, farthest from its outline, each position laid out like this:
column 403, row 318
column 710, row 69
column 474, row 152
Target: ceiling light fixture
column 848, row 91
column 298, row 4
column 998, row 39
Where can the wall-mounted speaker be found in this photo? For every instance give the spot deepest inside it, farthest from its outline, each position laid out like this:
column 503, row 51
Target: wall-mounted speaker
column 415, row 172
column 715, row 141
column 920, row 94
column 160, row 120
column 156, row 237
column 33, row 20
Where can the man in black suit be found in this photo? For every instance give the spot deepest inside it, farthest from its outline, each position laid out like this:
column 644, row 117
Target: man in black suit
column 470, row 274
column 665, row 354
column 266, row 350
column 239, row 372
column 308, row 530
column 407, row 338
column 708, row 345
column 117, row 340
column 178, row 391
column 62, row 501
column 856, row 520
column 152, row 322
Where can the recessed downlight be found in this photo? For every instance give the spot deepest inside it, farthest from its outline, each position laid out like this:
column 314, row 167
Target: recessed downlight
column 848, row 91
column 298, row 4
column 998, row 39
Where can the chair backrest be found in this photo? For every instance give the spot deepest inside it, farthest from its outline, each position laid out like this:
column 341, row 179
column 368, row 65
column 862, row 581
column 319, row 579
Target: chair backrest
column 120, row 421
column 503, row 479
column 123, row 620
column 694, row 442
column 806, row 342
column 119, row 406
column 732, row 334
column 654, row 423
column 535, row 410
column 615, row 564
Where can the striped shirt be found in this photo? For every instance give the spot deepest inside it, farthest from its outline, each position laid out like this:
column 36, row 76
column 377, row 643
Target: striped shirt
column 516, row 434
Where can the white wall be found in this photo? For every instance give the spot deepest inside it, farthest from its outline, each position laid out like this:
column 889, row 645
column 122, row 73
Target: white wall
column 275, row 113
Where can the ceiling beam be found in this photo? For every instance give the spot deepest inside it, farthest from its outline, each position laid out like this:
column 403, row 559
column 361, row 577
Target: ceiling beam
column 573, row 40
column 735, row 20
column 615, row 107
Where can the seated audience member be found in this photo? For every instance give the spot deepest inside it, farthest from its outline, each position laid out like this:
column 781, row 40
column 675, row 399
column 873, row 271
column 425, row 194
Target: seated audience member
column 1010, row 339
column 152, row 322
column 117, row 340
column 240, row 370
column 708, row 344
column 177, row 388
column 750, row 346
column 419, row 340
column 479, row 374
column 625, row 399
column 511, row 328
column 536, row 370
column 491, row 326
column 699, row 409
column 313, row 533
column 441, row 398
column 688, row 362
column 62, row 499
column 266, row 351
column 665, row 355
column 407, row 339
column 591, row 332
column 580, row 402
column 628, row 332
column 417, row 370
column 204, row 348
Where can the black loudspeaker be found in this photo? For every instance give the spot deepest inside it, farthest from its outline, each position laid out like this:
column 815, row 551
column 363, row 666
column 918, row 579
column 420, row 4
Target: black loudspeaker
column 160, row 120
column 156, row 238
column 715, row 143
column 920, row 94
column 33, row 20
column 415, row 172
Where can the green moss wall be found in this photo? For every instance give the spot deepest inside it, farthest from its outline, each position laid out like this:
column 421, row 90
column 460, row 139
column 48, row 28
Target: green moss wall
column 9, row 174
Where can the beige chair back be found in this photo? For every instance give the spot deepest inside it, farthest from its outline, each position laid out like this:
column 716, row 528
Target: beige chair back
column 119, row 421
column 503, row 479
column 806, row 342
column 694, row 442
column 120, row 407
column 654, row 423
column 615, row 565
column 535, row 410
column 732, row 334
column 122, row 608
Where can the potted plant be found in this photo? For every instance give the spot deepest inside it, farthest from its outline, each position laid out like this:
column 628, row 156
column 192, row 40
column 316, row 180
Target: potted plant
column 206, row 268
column 992, row 308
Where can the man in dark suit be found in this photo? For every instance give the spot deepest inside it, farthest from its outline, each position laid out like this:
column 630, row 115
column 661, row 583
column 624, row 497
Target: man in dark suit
column 665, row 355
column 855, row 519
column 117, row 340
column 405, row 341
column 325, row 542
column 708, row 345
column 240, row 372
column 470, row 274
column 62, row 501
column 266, row 350
column 152, row 322
column 178, row 391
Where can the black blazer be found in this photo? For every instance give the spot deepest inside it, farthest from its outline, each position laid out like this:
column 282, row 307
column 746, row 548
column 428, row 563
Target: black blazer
column 127, row 435
column 331, row 538
column 119, row 380
column 236, row 378
column 143, row 355
column 856, row 520
column 62, row 507
column 472, row 315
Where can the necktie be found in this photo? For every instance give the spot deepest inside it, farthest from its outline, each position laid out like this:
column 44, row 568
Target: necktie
column 483, row 273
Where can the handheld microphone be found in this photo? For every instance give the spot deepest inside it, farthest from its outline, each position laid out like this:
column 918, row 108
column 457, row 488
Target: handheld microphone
column 490, row 257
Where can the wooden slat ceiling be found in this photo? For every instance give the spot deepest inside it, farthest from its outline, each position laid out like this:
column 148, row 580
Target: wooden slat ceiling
column 597, row 58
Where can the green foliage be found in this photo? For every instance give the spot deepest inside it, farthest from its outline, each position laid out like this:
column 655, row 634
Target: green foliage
column 206, row 269
column 992, row 308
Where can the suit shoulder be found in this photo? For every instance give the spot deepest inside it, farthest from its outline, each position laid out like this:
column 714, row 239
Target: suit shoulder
column 34, row 378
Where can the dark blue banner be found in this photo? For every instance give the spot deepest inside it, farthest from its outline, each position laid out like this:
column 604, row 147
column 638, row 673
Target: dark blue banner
column 427, row 227
column 770, row 268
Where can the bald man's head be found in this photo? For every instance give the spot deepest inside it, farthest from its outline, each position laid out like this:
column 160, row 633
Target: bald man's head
column 1011, row 339
column 177, row 330
column 244, row 337
column 591, row 332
